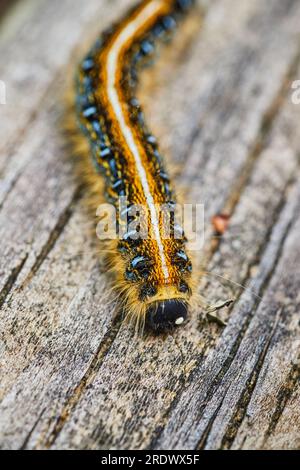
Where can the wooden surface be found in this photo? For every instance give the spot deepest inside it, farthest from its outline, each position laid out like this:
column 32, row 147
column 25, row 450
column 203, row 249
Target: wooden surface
column 219, row 99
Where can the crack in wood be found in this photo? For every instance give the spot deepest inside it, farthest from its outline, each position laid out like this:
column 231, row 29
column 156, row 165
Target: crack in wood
column 184, row 379
column 13, row 183
column 202, row 443
column 54, row 236
column 241, row 408
column 283, row 397
column 4, row 293
column 27, row 439
column 85, row 381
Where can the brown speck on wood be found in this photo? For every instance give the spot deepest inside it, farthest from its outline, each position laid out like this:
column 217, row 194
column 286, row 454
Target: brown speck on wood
column 220, row 223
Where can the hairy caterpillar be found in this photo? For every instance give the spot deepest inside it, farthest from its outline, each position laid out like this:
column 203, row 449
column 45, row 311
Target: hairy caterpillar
column 154, row 274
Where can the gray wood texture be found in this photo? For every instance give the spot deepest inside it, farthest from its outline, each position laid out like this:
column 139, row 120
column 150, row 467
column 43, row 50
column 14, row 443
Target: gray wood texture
column 220, row 101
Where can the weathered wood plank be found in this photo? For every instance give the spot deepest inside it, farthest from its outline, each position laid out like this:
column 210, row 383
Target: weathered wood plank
column 73, row 377
column 138, row 411
column 285, row 430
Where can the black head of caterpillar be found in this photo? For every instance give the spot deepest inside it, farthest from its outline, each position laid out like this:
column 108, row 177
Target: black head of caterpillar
column 153, row 274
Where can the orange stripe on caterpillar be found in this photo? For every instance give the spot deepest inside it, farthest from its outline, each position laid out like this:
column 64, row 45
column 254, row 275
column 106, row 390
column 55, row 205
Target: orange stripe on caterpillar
column 153, row 274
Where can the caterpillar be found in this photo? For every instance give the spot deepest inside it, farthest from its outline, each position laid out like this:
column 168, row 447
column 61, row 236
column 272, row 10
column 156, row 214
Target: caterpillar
column 153, row 273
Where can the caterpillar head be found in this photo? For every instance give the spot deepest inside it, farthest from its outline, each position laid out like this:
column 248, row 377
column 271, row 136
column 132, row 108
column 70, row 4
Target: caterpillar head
column 166, row 314
column 151, row 300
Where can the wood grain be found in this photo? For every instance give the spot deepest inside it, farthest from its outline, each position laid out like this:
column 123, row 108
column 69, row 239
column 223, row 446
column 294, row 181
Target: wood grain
column 219, row 99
